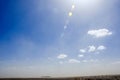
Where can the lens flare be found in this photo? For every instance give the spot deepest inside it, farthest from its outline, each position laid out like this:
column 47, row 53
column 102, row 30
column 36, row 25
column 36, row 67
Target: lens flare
column 70, row 14
column 73, row 6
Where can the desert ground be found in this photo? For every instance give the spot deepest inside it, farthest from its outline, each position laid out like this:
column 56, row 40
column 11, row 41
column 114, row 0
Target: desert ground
column 104, row 77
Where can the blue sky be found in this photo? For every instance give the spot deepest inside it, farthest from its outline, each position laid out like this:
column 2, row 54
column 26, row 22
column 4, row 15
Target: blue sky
column 59, row 38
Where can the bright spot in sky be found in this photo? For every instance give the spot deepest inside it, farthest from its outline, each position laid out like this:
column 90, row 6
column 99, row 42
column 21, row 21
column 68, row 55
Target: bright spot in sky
column 73, row 6
column 70, row 13
column 65, row 27
column 88, row 2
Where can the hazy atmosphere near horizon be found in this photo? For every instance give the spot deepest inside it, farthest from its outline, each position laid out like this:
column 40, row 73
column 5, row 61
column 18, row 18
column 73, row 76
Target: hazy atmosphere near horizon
column 59, row 38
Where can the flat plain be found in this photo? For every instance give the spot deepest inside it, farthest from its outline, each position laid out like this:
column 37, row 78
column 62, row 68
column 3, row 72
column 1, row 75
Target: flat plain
column 102, row 77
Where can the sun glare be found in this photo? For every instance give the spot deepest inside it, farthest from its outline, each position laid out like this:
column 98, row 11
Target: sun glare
column 73, row 6
column 87, row 3
column 70, row 13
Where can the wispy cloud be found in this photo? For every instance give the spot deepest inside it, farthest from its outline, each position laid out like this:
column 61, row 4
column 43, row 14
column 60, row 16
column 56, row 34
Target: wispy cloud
column 73, row 61
column 90, row 61
column 80, row 55
column 100, row 33
column 91, row 48
column 82, row 50
column 61, row 56
column 65, row 27
column 101, row 47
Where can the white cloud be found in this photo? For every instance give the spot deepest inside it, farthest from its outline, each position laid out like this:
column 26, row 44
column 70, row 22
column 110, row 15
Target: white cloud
column 62, row 56
column 91, row 48
column 101, row 47
column 82, row 50
column 91, row 60
column 99, row 33
column 80, row 55
column 73, row 61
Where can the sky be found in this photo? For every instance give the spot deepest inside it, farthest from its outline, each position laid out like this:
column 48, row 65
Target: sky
column 59, row 38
